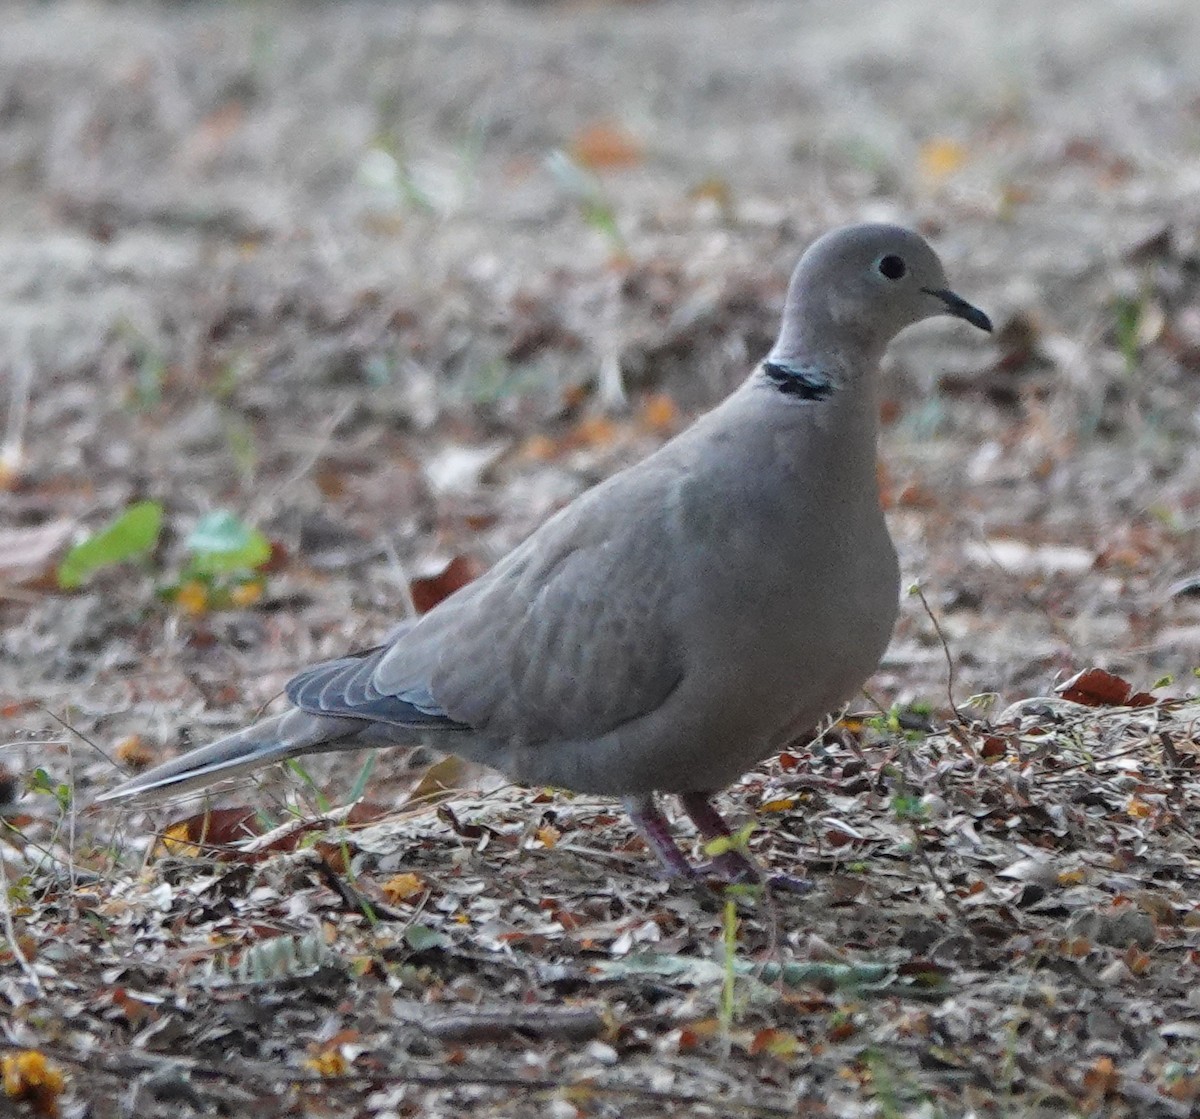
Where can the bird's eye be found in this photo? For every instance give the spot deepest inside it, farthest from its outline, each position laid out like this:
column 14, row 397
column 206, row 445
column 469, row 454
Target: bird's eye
column 892, row 267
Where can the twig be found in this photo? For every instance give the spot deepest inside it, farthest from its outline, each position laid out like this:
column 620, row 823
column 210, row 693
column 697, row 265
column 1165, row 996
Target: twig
column 352, row 899
column 83, row 738
column 45, row 852
column 131, row 1061
column 564, row 1023
column 937, row 628
column 72, row 820
column 403, row 585
column 10, row 933
column 12, row 450
column 950, row 900
column 276, row 837
column 320, row 444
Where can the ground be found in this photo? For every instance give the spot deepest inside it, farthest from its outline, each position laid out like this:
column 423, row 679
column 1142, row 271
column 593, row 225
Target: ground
column 391, row 283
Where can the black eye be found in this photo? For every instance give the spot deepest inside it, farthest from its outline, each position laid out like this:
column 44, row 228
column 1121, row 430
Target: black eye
column 892, row 267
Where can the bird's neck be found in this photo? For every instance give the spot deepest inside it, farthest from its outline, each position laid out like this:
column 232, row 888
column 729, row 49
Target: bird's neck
column 850, row 363
column 830, row 408
column 812, row 317
column 841, row 382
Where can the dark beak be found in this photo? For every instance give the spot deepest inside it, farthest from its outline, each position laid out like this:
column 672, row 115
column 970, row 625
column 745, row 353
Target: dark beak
column 961, row 309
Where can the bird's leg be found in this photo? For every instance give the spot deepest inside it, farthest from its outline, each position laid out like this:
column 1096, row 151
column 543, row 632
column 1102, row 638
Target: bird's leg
column 733, row 864
column 655, row 830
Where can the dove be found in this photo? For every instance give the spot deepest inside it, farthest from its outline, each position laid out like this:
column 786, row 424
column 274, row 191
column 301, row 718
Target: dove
column 681, row 621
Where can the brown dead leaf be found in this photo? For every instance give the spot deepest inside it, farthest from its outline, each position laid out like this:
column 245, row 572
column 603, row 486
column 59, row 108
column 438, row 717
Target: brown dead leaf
column 659, row 413
column 940, row 158
column 548, row 835
column 994, row 746
column 1137, row 961
column 593, row 431
column 1102, row 1078
column 29, row 1076
column 132, row 751
column 693, row 1035
column 437, row 782
column 135, row 1010
column 12, row 463
column 466, row 831
column 1184, row 1088
column 842, row 1029
column 429, row 590
column 538, row 448
column 1139, row 809
column 716, row 191
column 1094, row 687
column 217, row 827
column 913, row 495
column 288, row 836
column 329, row 1062
column 192, row 597
column 28, row 946
column 605, row 146
column 576, row 396
column 779, row 1043
column 403, row 887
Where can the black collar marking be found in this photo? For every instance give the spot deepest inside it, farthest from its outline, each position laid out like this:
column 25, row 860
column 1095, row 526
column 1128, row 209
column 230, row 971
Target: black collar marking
column 805, row 381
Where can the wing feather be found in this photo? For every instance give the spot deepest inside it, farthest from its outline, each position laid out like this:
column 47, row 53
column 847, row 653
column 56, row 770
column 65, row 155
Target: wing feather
column 343, row 687
column 568, row 637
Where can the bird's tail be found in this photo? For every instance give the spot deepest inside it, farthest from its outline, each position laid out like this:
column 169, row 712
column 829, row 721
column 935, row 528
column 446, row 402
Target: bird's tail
column 283, row 736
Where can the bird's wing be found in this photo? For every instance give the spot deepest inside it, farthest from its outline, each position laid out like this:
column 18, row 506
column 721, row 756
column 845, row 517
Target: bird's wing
column 569, row 636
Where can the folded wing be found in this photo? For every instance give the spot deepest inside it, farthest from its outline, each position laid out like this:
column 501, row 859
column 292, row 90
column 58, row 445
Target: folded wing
column 568, row 637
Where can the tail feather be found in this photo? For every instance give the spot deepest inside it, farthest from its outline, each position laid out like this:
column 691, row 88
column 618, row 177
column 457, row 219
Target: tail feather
column 283, row 736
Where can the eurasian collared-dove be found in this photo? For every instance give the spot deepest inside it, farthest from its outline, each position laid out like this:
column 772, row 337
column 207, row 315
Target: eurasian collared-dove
column 681, row 621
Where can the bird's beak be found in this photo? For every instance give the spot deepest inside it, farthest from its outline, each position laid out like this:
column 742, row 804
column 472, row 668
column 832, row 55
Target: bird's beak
column 960, row 308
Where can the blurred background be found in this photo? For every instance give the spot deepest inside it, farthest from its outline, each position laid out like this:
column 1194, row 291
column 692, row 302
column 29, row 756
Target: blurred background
column 383, row 285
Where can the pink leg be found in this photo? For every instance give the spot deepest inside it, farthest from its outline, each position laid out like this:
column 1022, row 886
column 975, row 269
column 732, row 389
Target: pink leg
column 711, row 825
column 733, row 865
column 655, row 830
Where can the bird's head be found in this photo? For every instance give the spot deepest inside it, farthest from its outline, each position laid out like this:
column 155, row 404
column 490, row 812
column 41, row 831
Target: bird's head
column 857, row 287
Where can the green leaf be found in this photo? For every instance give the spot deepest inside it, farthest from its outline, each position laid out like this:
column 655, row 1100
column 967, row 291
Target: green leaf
column 222, row 542
column 132, row 534
column 295, row 765
column 909, row 807
column 39, row 781
column 589, row 196
column 738, row 841
column 364, row 775
column 421, row 938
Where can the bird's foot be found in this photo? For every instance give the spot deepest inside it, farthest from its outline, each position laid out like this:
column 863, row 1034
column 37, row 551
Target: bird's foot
column 730, row 867
column 791, row 884
column 734, row 865
column 717, row 873
column 737, row 869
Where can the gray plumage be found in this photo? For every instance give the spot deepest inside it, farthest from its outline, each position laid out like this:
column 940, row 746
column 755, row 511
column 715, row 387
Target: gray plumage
column 682, row 620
